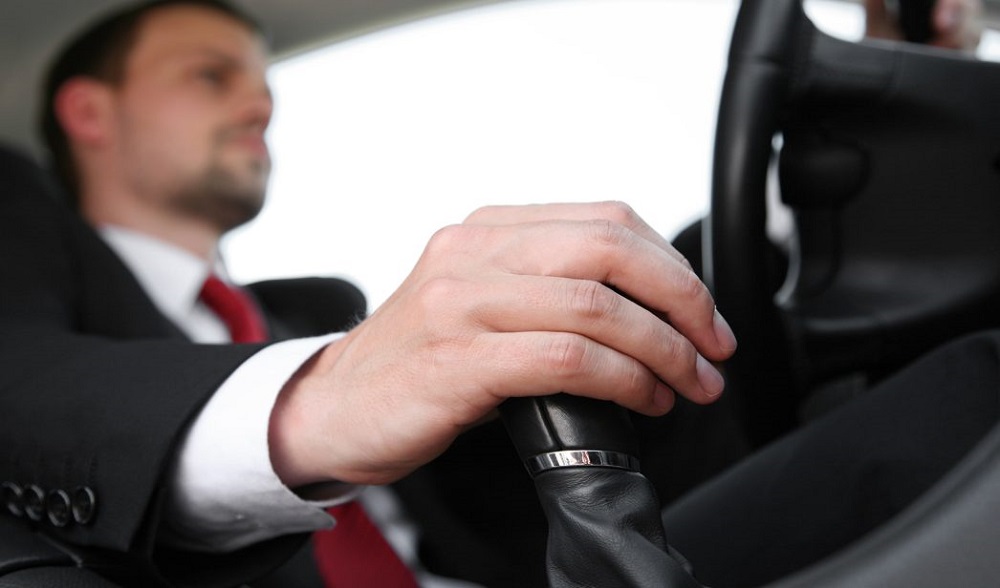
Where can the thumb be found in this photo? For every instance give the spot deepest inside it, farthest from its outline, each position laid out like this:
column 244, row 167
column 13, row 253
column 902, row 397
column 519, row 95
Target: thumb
column 948, row 16
column 879, row 23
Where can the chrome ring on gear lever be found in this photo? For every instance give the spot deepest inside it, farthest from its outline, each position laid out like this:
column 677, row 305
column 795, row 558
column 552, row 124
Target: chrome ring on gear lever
column 572, row 458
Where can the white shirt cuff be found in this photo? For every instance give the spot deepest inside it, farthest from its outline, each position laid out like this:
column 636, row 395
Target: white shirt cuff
column 224, row 493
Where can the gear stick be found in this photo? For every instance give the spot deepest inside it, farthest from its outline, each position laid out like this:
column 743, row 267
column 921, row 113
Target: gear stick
column 603, row 515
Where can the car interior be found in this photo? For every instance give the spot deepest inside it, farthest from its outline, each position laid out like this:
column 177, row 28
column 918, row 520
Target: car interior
column 857, row 301
column 887, row 155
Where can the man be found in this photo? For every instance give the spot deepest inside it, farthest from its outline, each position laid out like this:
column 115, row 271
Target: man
column 209, row 462
column 954, row 24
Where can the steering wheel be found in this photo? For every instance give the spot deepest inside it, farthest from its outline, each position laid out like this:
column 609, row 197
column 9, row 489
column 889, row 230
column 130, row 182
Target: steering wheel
column 888, row 163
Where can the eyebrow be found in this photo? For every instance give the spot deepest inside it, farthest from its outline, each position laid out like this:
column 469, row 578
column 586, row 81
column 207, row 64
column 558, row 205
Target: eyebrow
column 202, row 52
column 230, row 61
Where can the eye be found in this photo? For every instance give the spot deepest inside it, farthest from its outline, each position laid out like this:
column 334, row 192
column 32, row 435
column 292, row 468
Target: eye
column 213, row 76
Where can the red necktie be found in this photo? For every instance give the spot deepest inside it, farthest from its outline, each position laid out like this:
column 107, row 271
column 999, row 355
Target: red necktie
column 236, row 309
column 354, row 554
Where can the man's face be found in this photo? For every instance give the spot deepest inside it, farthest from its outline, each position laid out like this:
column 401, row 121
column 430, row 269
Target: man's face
column 191, row 113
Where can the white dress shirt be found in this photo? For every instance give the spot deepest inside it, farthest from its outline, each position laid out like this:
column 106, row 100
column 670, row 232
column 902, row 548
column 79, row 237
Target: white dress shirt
column 224, row 493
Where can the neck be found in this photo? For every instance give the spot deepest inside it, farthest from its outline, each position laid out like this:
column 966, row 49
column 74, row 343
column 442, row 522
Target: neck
column 197, row 237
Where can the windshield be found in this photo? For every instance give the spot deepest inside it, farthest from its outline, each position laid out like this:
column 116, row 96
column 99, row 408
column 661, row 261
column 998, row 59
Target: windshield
column 383, row 139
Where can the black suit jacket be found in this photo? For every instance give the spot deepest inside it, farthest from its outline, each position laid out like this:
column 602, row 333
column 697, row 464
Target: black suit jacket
column 96, row 385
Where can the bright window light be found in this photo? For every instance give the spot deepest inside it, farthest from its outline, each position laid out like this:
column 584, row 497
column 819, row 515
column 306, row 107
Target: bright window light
column 381, row 140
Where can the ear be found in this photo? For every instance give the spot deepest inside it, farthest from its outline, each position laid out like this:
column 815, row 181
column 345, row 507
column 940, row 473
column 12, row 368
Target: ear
column 83, row 108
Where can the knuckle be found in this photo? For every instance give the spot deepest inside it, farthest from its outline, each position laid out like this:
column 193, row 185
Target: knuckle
column 690, row 287
column 685, row 262
column 566, row 355
column 438, row 294
column 680, row 351
column 592, row 301
column 607, row 232
column 637, row 379
column 481, row 213
column 448, row 240
column 619, row 212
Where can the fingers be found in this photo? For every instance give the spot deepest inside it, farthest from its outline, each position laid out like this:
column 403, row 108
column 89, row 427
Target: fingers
column 596, row 251
column 956, row 24
column 600, row 280
column 597, row 314
column 879, row 23
column 537, row 364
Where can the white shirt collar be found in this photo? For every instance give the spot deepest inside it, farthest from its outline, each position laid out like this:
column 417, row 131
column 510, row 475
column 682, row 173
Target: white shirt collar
column 171, row 276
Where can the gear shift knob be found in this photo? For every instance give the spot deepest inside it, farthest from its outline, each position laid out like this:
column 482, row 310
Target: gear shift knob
column 564, row 430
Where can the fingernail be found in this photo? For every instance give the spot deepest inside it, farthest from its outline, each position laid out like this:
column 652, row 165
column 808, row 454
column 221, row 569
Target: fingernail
column 724, row 333
column 663, row 397
column 710, row 379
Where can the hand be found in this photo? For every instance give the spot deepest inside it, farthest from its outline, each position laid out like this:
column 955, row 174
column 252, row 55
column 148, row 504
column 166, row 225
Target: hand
column 516, row 301
column 956, row 23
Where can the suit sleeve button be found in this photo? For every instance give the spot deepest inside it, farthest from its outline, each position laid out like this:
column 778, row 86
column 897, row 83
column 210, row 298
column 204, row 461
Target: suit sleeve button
column 57, row 504
column 12, row 497
column 83, row 505
column 34, row 502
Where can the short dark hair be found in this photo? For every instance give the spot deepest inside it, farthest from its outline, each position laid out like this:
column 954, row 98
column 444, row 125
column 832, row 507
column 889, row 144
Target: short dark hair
column 100, row 51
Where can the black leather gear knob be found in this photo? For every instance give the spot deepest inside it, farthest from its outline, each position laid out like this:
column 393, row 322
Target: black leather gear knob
column 603, row 515
column 564, row 422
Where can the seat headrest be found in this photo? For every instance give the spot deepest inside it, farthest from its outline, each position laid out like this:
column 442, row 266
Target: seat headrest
column 24, row 176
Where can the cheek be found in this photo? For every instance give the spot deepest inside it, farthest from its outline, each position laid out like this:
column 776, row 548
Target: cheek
column 173, row 122
column 157, row 153
column 171, row 138
column 168, row 135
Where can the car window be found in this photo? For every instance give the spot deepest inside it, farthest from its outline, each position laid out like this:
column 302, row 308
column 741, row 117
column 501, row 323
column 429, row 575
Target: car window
column 380, row 140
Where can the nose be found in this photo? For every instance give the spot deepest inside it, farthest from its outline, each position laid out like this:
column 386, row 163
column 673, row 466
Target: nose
column 257, row 106
column 261, row 106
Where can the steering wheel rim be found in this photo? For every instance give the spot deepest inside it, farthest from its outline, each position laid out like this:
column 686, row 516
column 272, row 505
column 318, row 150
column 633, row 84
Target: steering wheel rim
column 758, row 79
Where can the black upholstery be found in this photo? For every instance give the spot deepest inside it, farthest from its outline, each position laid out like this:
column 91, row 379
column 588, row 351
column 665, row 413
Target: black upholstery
column 950, row 537
column 22, row 174
column 48, row 577
column 28, row 560
column 21, row 549
column 312, row 306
